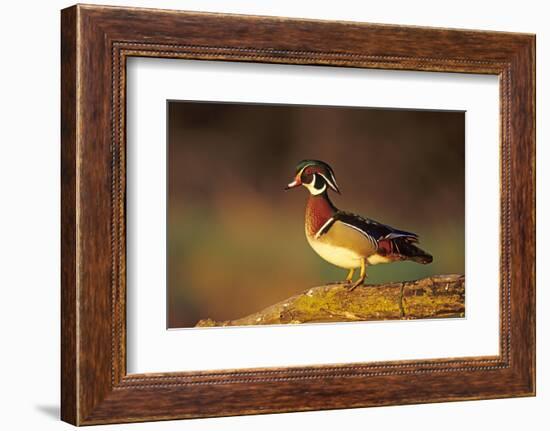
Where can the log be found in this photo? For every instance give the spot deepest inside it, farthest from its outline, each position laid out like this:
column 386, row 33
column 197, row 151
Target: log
column 432, row 297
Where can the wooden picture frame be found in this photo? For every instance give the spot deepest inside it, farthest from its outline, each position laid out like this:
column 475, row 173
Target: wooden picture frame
column 95, row 43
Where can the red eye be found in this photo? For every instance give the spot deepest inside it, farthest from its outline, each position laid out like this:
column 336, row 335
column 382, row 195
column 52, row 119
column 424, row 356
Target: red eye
column 307, row 174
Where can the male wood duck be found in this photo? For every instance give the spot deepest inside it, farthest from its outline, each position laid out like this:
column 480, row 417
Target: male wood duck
column 345, row 239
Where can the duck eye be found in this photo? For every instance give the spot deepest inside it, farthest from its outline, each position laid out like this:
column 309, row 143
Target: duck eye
column 307, row 177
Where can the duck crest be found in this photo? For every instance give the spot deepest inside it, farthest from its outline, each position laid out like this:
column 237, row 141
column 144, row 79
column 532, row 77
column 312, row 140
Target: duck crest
column 319, row 210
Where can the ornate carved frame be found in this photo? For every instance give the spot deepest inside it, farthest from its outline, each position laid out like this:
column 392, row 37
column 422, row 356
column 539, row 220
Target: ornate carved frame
column 96, row 41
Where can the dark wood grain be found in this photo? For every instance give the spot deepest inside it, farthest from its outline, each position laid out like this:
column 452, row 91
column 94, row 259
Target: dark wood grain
column 69, row 398
column 96, row 41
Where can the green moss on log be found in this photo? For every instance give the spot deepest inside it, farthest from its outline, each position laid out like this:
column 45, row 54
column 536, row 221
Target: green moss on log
column 432, row 297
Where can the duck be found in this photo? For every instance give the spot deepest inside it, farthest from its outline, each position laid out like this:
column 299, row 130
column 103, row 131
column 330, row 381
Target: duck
column 344, row 239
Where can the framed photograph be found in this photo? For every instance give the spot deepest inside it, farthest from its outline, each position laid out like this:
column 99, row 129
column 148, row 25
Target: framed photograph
column 232, row 228
column 264, row 215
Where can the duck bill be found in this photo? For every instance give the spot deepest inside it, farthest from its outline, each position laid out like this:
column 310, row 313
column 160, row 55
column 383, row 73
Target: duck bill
column 293, row 184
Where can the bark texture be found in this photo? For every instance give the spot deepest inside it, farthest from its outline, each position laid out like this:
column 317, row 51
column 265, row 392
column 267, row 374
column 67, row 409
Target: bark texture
column 431, row 297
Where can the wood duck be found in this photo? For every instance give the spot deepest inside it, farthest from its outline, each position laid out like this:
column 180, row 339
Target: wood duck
column 345, row 239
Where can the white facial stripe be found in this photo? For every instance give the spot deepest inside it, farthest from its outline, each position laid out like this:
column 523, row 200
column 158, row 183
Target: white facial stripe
column 333, row 179
column 330, row 183
column 312, row 189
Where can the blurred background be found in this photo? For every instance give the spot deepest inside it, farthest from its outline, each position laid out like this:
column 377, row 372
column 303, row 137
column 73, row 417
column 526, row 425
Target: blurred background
column 236, row 240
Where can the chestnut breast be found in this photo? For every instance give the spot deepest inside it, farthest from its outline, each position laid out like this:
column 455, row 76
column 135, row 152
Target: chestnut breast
column 318, row 211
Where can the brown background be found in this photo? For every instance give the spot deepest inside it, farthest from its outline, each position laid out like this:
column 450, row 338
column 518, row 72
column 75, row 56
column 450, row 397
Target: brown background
column 236, row 240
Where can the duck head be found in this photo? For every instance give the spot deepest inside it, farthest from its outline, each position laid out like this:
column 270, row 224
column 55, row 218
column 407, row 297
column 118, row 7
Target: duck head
column 314, row 175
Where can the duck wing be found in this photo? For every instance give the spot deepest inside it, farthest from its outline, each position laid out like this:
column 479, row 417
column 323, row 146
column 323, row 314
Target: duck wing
column 369, row 227
column 395, row 244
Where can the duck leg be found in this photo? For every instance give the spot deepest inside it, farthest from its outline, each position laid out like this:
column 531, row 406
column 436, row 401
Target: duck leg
column 349, row 278
column 362, row 276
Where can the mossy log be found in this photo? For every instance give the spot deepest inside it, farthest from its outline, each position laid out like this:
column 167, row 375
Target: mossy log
column 431, row 297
